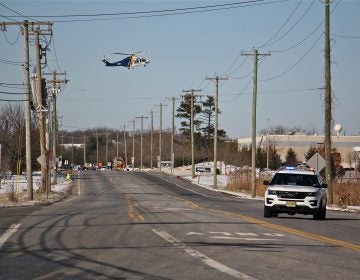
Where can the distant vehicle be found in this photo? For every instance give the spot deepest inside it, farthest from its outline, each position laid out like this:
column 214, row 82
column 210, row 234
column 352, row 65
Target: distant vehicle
column 77, row 167
column 131, row 61
column 295, row 191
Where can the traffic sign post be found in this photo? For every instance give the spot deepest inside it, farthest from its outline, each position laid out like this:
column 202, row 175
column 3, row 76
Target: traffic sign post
column 317, row 162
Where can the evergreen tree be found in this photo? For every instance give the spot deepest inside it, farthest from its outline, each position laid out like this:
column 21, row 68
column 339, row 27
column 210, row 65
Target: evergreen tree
column 311, row 151
column 184, row 112
column 208, row 117
column 274, row 158
column 291, row 158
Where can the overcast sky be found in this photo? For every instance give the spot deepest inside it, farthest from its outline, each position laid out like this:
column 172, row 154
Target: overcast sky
column 186, row 44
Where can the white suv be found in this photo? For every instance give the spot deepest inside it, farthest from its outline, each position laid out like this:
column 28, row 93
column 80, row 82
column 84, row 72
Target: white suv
column 296, row 191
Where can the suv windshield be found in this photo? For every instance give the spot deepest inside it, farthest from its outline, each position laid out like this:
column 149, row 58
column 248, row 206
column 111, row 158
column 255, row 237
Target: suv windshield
column 295, row 179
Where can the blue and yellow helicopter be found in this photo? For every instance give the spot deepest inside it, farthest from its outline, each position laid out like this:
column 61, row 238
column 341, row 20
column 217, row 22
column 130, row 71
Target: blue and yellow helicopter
column 131, row 61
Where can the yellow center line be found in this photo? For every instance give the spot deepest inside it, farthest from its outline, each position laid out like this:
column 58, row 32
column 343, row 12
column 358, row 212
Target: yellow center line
column 133, row 213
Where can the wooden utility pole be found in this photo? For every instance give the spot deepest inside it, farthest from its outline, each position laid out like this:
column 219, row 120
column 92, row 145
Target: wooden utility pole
column 141, row 139
column 97, row 149
column 255, row 54
column 216, row 79
column 192, row 91
column 152, row 139
column 133, row 145
column 107, row 149
column 172, row 156
column 160, row 132
column 40, row 111
column 27, row 113
column 54, row 90
column 328, row 103
column 125, row 148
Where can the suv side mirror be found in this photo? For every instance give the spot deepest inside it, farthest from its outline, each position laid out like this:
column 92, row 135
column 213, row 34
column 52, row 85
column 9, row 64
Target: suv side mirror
column 324, row 185
column 266, row 183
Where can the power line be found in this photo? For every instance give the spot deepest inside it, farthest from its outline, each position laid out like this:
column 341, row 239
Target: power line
column 346, row 36
column 148, row 12
column 281, row 27
column 309, row 35
column 21, row 15
column 15, row 63
column 295, row 64
column 292, row 27
column 6, row 92
column 12, row 100
column 11, row 84
column 159, row 13
column 12, row 43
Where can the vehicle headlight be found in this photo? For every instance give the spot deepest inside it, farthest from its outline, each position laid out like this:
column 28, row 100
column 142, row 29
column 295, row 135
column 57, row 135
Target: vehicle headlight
column 312, row 193
column 272, row 192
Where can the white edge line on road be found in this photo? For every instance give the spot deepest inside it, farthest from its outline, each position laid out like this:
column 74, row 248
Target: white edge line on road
column 244, row 238
column 201, row 257
column 79, row 190
column 6, row 235
column 180, row 186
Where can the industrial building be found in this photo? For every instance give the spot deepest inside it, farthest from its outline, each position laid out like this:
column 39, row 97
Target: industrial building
column 347, row 146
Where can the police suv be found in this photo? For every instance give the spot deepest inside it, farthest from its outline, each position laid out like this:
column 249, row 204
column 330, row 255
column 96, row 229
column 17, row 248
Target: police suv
column 296, row 190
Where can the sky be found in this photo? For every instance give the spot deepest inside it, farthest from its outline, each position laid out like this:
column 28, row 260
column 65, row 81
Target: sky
column 185, row 45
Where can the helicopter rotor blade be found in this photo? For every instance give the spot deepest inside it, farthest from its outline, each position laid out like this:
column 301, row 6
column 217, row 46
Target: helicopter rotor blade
column 122, row 53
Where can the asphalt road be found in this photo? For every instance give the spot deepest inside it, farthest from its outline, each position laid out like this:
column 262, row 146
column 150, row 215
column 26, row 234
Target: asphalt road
column 140, row 225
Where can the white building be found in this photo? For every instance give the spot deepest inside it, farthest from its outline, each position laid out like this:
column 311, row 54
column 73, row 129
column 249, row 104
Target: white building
column 347, row 146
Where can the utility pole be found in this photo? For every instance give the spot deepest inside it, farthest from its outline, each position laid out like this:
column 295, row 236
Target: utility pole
column 133, row 145
column 27, row 115
column 125, row 149
column 216, row 79
column 97, row 149
column 328, row 103
column 141, row 140
column 54, row 91
column 117, row 144
column 84, row 150
column 40, row 112
column 172, row 155
column 152, row 139
column 160, row 135
column 255, row 54
column 192, row 91
column 107, row 149
column 72, row 150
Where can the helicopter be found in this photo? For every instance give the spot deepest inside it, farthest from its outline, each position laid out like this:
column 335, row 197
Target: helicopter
column 131, row 61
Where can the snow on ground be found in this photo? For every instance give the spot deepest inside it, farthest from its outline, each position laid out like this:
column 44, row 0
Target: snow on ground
column 17, row 183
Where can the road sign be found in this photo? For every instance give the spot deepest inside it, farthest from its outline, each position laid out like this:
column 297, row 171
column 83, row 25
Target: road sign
column 50, row 157
column 317, row 162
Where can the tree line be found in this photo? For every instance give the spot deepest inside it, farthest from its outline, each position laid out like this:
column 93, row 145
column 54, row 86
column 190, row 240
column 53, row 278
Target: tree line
column 102, row 144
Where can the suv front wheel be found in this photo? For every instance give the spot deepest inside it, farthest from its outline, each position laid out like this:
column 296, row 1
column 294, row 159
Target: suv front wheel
column 267, row 212
column 321, row 214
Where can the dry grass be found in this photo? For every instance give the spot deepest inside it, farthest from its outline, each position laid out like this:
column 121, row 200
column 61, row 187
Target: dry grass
column 344, row 194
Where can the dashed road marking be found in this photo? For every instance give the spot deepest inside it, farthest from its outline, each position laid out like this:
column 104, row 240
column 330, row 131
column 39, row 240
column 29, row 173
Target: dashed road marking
column 201, row 257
